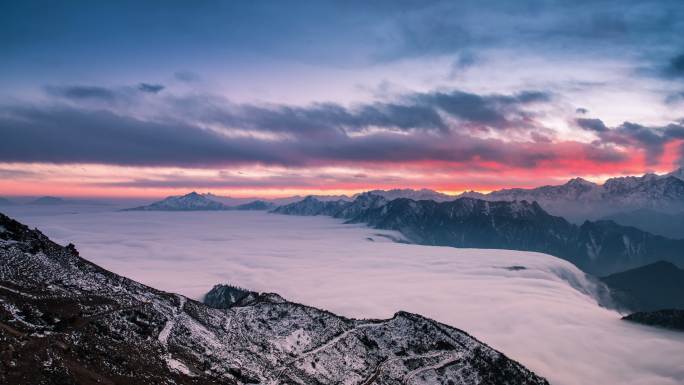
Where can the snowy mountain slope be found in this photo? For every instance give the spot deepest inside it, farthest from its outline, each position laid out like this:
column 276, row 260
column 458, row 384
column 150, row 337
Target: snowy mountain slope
column 65, row 319
column 312, row 206
column 579, row 199
column 422, row 194
column 5, row 202
column 258, row 205
column 189, row 202
column 201, row 202
column 362, row 203
column 233, row 201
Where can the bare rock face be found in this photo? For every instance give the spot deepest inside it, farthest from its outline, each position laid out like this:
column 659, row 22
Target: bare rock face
column 64, row 320
column 226, row 296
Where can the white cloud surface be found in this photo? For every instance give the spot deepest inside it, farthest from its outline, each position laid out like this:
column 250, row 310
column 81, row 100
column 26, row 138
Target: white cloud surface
column 532, row 315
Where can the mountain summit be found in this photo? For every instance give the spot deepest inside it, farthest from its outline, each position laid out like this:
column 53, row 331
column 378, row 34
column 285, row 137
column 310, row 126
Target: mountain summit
column 189, row 202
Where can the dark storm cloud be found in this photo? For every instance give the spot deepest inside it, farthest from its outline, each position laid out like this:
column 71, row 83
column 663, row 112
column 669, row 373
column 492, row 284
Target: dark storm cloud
column 67, row 135
column 78, row 34
column 650, row 139
column 592, row 124
column 186, row 76
column 332, row 117
column 675, row 67
column 449, row 27
column 488, row 109
column 100, row 94
column 150, row 88
column 80, row 93
column 411, row 112
column 314, row 137
column 674, row 98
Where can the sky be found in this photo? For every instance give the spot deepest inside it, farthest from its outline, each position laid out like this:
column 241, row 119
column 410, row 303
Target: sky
column 272, row 98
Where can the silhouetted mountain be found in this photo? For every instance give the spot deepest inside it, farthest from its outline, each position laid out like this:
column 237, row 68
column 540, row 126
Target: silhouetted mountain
column 468, row 222
column 5, row 202
column 255, row 205
column 616, row 248
column 56, row 201
column 600, row 247
column 189, row 202
column 669, row 225
column 48, row 201
column 64, row 320
column 417, row 195
column 312, row 206
column 360, row 205
column 576, row 189
column 656, row 286
column 669, row 318
column 232, row 201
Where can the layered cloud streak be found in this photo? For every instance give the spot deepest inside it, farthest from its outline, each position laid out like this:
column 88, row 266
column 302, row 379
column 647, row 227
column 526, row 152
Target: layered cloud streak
column 446, row 129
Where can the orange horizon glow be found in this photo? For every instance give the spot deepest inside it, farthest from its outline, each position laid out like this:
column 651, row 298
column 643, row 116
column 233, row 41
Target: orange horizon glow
column 109, row 181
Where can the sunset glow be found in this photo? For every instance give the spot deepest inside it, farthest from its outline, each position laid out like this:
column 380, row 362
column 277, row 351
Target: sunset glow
column 379, row 101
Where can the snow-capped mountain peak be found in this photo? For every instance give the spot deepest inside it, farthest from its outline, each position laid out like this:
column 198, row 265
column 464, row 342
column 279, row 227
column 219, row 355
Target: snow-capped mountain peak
column 189, row 202
column 580, row 182
column 417, row 195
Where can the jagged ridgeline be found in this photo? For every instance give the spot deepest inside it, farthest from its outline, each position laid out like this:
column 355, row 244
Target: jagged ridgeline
column 597, row 247
column 64, row 320
column 199, row 202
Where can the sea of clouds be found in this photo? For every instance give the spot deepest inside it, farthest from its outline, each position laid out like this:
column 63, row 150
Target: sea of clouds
column 544, row 315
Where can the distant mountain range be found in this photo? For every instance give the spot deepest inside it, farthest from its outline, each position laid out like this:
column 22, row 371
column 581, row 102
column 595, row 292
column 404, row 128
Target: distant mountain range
column 656, row 286
column 5, row 202
column 232, row 201
column 258, row 205
column 417, row 195
column 56, row 201
column 599, row 247
column 48, row 201
column 189, row 202
column 632, row 201
column 579, row 199
column 64, row 320
column 199, row 202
